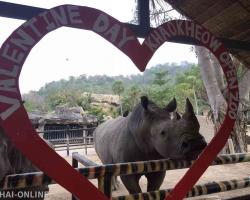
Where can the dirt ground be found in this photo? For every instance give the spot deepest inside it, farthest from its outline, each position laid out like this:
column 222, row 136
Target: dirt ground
column 213, row 173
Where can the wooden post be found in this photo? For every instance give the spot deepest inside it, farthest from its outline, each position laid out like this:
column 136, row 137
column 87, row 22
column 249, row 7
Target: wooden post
column 104, row 185
column 67, row 138
column 74, row 161
column 85, row 140
column 231, row 146
column 75, row 165
column 73, row 197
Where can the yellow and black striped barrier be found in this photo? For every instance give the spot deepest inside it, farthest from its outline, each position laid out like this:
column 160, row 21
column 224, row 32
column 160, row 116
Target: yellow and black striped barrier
column 197, row 190
column 105, row 172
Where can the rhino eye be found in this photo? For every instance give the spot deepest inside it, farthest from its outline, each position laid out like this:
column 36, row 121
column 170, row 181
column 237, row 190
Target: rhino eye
column 163, row 133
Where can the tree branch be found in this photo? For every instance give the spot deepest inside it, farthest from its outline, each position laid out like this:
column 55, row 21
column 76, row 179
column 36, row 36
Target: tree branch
column 244, row 86
column 218, row 72
column 215, row 96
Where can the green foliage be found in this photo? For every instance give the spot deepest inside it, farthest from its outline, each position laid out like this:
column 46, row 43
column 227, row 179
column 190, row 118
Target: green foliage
column 102, row 84
column 70, row 97
column 29, row 106
column 33, row 101
column 160, row 77
column 189, row 84
column 241, row 70
column 96, row 111
column 161, row 95
column 118, row 87
column 131, row 97
column 161, row 90
column 182, row 91
column 191, row 76
column 85, row 101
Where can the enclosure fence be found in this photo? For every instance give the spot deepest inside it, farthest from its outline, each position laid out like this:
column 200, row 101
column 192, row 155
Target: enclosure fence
column 69, row 139
column 104, row 174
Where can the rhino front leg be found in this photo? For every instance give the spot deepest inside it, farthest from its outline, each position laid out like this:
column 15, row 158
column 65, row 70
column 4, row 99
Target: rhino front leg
column 115, row 183
column 155, row 180
column 131, row 182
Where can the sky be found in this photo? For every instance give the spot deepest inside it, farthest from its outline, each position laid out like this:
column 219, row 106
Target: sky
column 69, row 52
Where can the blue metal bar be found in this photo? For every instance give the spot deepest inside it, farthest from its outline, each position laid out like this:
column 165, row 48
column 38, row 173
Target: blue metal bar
column 144, row 16
column 25, row 12
column 18, row 11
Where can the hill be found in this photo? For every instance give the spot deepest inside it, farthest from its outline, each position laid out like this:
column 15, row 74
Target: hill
column 102, row 84
column 158, row 81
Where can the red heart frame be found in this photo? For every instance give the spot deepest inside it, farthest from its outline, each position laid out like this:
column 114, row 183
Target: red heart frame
column 14, row 118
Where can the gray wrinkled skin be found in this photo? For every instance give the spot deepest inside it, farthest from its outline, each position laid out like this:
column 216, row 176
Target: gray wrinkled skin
column 13, row 162
column 148, row 133
column 5, row 166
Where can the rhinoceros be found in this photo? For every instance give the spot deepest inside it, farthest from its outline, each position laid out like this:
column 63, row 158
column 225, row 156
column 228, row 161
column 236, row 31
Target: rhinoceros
column 12, row 161
column 149, row 133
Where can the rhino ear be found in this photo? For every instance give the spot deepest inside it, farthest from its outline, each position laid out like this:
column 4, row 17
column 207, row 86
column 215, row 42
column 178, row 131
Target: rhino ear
column 171, row 105
column 189, row 110
column 177, row 116
column 125, row 114
column 144, row 102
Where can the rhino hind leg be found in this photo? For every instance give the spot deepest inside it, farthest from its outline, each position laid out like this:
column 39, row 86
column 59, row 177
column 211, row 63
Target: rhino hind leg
column 155, row 180
column 131, row 182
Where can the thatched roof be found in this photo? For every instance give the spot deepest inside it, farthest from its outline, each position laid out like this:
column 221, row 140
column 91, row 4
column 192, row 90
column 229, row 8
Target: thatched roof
column 229, row 19
column 104, row 98
column 63, row 115
column 35, row 117
column 63, row 118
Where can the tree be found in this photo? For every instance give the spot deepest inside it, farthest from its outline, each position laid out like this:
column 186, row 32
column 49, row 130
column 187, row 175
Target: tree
column 160, row 77
column 134, row 93
column 214, row 83
column 194, row 83
column 212, row 77
column 98, row 112
column 34, row 101
column 118, row 88
column 160, row 91
column 70, row 97
column 56, row 99
column 85, row 101
column 181, row 92
column 131, row 97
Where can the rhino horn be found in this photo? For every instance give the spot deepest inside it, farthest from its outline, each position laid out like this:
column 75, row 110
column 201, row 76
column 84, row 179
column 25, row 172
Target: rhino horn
column 171, row 105
column 189, row 110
